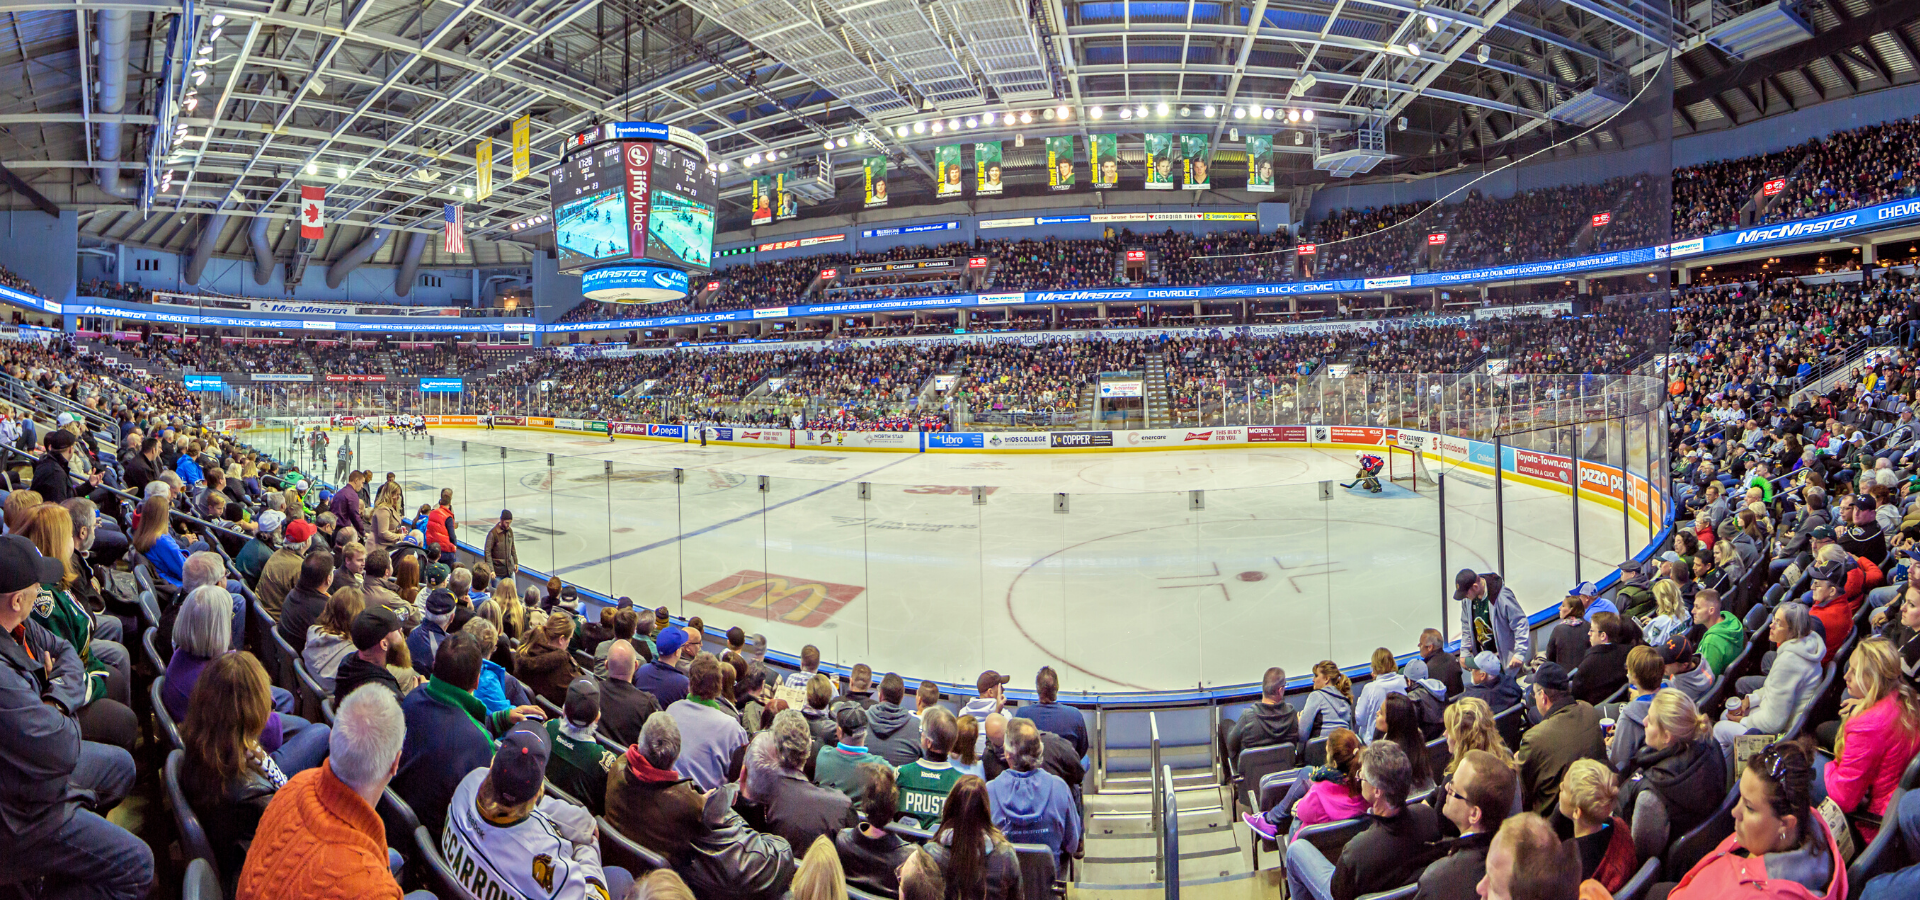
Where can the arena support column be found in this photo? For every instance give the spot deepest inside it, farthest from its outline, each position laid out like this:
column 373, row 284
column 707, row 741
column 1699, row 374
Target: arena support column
column 1499, row 503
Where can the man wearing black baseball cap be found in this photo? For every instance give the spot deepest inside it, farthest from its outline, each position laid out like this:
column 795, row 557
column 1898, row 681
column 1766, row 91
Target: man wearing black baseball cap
column 1862, row 536
column 53, row 473
column 580, row 764
column 376, row 633
column 505, row 837
column 1491, row 617
column 46, row 769
column 1569, row 730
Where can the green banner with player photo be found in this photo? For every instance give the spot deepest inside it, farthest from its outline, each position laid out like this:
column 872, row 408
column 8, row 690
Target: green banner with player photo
column 947, row 171
column 1060, row 163
column 1163, row 161
column 1103, row 156
column 1197, row 158
column 1260, row 163
column 762, row 192
column 873, row 170
column 786, row 204
column 986, row 169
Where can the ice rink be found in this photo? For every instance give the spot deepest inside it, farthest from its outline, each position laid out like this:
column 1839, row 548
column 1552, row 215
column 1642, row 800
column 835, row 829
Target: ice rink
column 1128, row 582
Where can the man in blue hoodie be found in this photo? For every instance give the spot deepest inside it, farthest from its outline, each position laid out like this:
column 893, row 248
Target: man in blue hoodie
column 449, row 731
column 1031, row 805
column 1052, row 715
column 425, row 638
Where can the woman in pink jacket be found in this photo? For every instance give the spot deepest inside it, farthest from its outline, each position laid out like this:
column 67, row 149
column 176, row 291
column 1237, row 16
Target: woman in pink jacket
column 1328, row 793
column 1780, row 847
column 1879, row 733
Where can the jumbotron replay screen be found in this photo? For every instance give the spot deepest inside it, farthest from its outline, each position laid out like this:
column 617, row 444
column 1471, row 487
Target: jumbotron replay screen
column 621, row 200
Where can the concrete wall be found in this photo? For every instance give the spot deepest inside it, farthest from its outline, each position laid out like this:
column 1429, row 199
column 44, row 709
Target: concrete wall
column 41, row 248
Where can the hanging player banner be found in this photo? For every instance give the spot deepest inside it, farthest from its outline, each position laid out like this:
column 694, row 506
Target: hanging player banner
column 1103, row 157
column 762, row 191
column 946, row 170
column 483, row 169
column 873, row 170
column 1260, row 163
column 1060, row 163
column 1197, row 175
column 522, row 146
column 313, row 212
column 786, row 204
column 1163, row 161
column 986, row 169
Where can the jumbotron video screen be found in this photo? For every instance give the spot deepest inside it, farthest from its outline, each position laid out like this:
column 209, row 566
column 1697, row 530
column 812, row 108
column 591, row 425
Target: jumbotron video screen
column 589, row 208
column 680, row 219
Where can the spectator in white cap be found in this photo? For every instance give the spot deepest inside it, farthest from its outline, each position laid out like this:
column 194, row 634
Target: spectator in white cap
column 253, row 557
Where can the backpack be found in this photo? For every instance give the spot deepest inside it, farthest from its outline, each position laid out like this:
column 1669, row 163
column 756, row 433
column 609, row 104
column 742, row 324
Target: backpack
column 1430, row 708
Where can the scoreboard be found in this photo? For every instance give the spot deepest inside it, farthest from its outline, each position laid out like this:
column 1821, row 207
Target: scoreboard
column 627, row 192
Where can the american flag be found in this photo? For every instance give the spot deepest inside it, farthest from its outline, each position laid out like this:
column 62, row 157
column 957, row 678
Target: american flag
column 456, row 216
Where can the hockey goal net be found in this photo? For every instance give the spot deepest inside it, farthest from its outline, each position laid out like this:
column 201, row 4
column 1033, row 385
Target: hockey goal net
column 1405, row 466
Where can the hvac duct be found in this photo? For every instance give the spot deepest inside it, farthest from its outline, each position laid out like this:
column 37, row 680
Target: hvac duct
column 203, row 249
column 337, row 272
column 262, row 251
column 409, row 263
column 114, row 26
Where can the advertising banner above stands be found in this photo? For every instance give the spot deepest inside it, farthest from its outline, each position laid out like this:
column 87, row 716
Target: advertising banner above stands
column 1095, row 218
column 1868, row 218
column 429, row 324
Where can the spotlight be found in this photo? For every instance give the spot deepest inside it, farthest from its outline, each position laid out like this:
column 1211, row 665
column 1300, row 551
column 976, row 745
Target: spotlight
column 467, row 192
column 206, row 50
column 1047, row 114
column 973, row 122
column 841, row 143
column 937, row 128
column 313, row 169
column 199, row 77
column 1239, row 112
column 1096, row 112
column 953, row 124
column 191, row 104
column 987, row 117
column 900, row 131
column 724, row 166
column 1413, row 48
column 860, row 138
column 1267, row 113
column 753, row 159
column 1433, row 25
column 219, row 20
column 1162, row 109
column 1306, row 115
column 1209, row 110
column 1254, row 111
column 1026, row 118
column 919, row 128
column 340, row 172
column 1186, row 110
column 1293, row 115
column 1064, row 111
column 827, row 144
column 1126, row 113
column 214, row 35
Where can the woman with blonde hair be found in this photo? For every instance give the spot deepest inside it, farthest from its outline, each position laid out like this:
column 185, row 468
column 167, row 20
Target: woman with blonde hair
column 543, row 662
column 1470, row 726
column 1879, row 734
column 1329, row 706
column 1726, row 558
column 389, row 525
column 513, row 613
column 1669, row 618
column 1587, row 794
column 105, row 715
column 1386, row 680
column 1679, row 765
column 820, row 876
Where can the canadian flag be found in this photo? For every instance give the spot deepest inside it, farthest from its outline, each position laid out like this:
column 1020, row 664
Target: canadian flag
column 313, row 212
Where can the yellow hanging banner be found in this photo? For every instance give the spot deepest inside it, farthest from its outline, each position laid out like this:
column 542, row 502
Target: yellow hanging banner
column 522, row 144
column 483, row 169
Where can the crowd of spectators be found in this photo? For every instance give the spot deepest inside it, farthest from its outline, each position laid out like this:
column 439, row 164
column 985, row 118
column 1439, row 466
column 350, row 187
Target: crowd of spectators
column 1374, row 241
column 1532, row 224
column 1849, row 169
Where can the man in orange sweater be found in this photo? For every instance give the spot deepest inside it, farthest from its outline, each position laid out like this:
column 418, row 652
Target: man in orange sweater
column 320, row 838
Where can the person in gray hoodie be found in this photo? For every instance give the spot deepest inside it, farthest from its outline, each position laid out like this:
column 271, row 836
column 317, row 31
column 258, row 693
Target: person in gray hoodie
column 1787, row 689
column 1489, row 612
column 893, row 731
column 1386, row 680
column 1329, row 706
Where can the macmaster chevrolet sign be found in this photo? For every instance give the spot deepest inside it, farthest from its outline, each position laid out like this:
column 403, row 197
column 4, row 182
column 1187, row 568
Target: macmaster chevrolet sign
column 1874, row 217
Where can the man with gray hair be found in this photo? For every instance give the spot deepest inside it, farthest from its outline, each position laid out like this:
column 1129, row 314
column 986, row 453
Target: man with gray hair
column 1031, row 805
column 776, row 781
column 207, row 568
column 323, row 819
column 647, row 800
column 1385, row 856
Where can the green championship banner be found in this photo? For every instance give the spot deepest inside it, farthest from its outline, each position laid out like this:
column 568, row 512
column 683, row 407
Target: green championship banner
column 986, row 169
column 1163, row 161
column 1103, row 155
column 762, row 191
column 1060, row 163
column 874, row 172
column 786, row 204
column 1260, row 163
column 1197, row 175
column 947, row 170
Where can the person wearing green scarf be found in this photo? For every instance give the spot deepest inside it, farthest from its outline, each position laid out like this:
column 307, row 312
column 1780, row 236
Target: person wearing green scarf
column 449, row 731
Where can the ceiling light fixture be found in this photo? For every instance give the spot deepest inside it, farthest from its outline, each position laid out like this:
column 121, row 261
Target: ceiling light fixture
column 1026, row 117
column 1162, row 110
column 1096, row 112
column 1433, row 25
column 1482, row 53
column 937, row 128
column 841, row 143
column 340, row 172
column 1047, row 114
column 919, row 128
column 1126, row 113
column 953, row 124
column 1186, row 110
column 987, row 117
column 724, row 166
column 199, row 77
column 219, row 20
column 1064, row 111
column 827, row 144
column 1239, row 112
column 1267, row 113
column 900, row 131
column 973, row 122
column 1413, row 48
column 313, row 169
column 1293, row 115
column 1209, row 110
column 1306, row 115
column 1141, row 110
